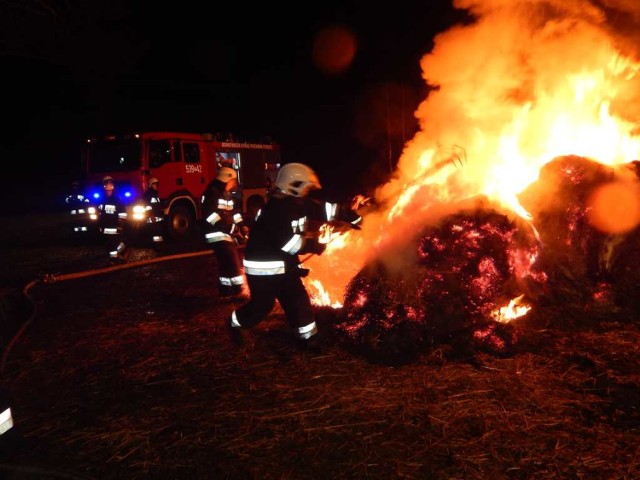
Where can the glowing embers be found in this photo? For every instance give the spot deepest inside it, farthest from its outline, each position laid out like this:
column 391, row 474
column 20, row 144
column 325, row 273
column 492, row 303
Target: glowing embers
column 445, row 286
column 585, row 263
column 475, row 262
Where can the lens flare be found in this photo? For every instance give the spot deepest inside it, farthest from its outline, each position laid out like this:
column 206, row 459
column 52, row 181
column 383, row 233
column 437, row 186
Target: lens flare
column 615, row 207
column 334, row 49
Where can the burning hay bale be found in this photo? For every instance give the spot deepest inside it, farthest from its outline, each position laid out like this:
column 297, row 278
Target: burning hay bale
column 625, row 274
column 588, row 265
column 452, row 286
column 465, row 278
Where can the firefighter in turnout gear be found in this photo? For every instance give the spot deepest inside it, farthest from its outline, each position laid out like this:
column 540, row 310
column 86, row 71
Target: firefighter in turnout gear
column 112, row 215
column 223, row 222
column 155, row 211
column 83, row 213
column 272, row 265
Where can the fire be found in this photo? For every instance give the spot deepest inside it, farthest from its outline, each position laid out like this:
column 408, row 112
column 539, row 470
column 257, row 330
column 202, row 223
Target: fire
column 359, row 201
column 521, row 84
column 327, row 234
column 319, row 296
column 511, row 311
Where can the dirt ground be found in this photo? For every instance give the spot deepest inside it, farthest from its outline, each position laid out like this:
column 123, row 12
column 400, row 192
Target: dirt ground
column 128, row 374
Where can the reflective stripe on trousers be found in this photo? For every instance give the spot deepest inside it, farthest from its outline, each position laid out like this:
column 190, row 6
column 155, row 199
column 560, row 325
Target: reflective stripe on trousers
column 229, row 281
column 304, row 333
column 266, row 289
column 119, row 249
column 308, row 331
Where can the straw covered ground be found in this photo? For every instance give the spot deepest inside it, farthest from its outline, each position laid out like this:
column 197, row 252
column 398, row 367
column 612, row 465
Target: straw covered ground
column 128, row 374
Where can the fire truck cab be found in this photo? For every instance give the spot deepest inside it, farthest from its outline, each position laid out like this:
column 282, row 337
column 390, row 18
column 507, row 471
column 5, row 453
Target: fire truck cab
column 184, row 164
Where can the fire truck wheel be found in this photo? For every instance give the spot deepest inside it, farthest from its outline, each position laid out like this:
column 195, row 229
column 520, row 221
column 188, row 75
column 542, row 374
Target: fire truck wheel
column 181, row 223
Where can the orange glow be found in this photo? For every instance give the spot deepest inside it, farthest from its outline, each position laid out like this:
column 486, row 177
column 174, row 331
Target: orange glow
column 519, row 86
column 615, row 207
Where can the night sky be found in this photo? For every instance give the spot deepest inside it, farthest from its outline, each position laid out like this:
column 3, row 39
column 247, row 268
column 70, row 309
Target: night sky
column 79, row 68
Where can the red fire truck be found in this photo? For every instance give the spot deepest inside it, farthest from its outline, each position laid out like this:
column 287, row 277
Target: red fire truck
column 184, row 163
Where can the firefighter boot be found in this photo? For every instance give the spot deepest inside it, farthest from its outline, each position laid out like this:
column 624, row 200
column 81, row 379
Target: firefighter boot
column 235, row 333
column 311, row 345
column 122, row 253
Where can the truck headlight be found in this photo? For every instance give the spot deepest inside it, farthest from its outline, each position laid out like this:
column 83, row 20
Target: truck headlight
column 139, row 212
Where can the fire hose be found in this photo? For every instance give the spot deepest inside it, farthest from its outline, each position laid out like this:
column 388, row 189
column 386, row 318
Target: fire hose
column 49, row 279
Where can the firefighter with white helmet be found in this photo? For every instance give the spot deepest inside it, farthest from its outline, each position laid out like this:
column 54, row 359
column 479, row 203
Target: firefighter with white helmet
column 297, row 180
column 222, row 223
column 281, row 233
column 155, row 210
column 112, row 215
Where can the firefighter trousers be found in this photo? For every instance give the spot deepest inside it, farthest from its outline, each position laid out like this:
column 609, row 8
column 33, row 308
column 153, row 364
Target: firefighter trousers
column 292, row 295
column 230, row 273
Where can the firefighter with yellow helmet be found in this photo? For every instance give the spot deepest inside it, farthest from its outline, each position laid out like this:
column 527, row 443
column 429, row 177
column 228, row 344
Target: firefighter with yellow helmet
column 272, row 265
column 222, row 221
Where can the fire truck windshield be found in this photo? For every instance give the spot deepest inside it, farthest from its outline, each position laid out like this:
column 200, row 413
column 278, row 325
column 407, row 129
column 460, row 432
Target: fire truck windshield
column 114, row 155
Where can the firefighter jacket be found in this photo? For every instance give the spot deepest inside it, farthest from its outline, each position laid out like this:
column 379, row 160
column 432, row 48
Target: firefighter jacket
column 222, row 219
column 112, row 214
column 76, row 201
column 153, row 205
column 285, row 229
column 79, row 207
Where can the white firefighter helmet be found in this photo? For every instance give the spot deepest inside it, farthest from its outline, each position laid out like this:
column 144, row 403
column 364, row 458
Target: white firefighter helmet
column 297, row 179
column 226, row 174
column 152, row 180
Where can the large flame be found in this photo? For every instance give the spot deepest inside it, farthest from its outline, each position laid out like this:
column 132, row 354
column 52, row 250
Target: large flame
column 520, row 84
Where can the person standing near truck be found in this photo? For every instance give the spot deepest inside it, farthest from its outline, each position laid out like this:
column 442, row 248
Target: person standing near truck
column 78, row 205
column 112, row 215
column 222, row 221
column 155, row 211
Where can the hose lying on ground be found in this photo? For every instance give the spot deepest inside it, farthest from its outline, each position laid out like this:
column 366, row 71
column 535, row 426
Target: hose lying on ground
column 87, row 273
